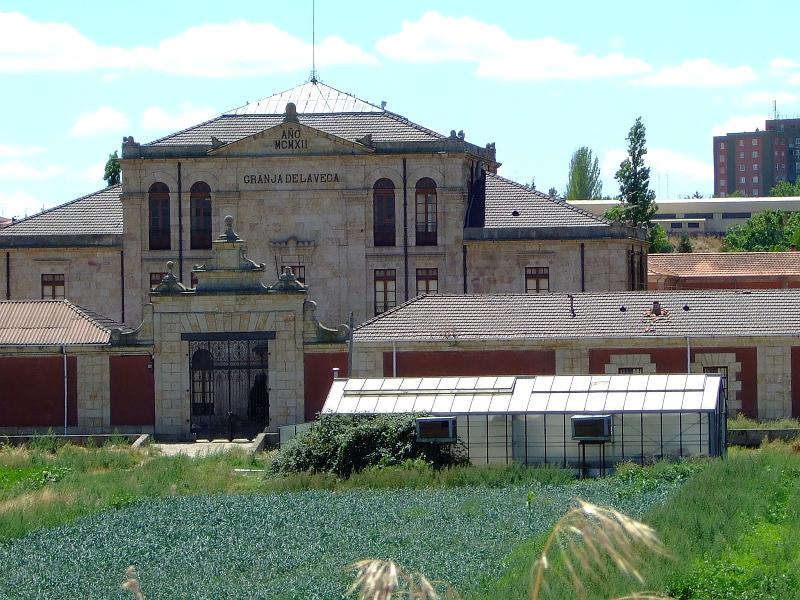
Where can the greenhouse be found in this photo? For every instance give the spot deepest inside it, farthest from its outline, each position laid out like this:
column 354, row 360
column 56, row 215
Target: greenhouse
column 585, row 422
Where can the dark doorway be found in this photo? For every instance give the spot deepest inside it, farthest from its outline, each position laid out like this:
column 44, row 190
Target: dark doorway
column 229, row 385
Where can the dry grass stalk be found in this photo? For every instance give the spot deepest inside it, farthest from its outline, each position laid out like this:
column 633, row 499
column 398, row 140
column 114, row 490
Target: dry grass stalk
column 131, row 583
column 587, row 537
column 384, row 579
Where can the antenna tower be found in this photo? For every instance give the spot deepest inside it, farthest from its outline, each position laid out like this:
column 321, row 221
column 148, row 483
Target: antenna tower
column 313, row 42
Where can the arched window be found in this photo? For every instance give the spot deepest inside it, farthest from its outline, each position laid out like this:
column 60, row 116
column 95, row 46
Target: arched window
column 426, row 212
column 159, row 216
column 383, row 212
column 200, row 209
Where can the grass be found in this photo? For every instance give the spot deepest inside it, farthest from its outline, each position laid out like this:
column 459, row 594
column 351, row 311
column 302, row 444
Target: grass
column 733, row 529
column 743, row 422
column 50, row 485
column 195, row 528
column 298, row 544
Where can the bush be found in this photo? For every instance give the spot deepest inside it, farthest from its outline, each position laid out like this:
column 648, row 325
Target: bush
column 344, row 444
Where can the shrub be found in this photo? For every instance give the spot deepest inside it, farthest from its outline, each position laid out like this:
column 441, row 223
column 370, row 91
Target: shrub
column 345, row 444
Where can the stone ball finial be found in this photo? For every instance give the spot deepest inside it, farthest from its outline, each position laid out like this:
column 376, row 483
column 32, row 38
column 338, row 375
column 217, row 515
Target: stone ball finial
column 170, row 265
column 228, row 221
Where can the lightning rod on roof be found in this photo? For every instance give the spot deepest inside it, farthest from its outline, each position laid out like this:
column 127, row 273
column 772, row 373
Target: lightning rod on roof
column 313, row 43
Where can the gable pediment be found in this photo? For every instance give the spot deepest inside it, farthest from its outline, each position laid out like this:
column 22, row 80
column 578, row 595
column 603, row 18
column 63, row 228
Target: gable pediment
column 290, row 138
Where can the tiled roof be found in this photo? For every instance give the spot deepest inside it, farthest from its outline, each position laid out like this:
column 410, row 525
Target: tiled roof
column 319, row 106
column 99, row 213
column 51, row 323
column 691, row 313
column 510, row 204
column 725, row 264
column 310, row 97
column 383, row 126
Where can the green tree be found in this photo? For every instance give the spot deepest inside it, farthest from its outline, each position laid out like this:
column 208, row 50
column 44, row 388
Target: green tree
column 685, row 244
column 638, row 200
column 553, row 193
column 583, row 182
column 659, row 241
column 786, row 188
column 113, row 172
column 768, row 231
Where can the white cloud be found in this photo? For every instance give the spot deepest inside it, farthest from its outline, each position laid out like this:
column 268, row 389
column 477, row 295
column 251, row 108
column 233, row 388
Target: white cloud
column 436, row 38
column 766, row 98
column 662, row 161
column 233, row 49
column 100, row 122
column 18, row 171
column 93, row 173
column 740, row 123
column 700, row 72
column 158, row 118
column 7, row 151
column 794, row 79
column 18, row 204
column 779, row 66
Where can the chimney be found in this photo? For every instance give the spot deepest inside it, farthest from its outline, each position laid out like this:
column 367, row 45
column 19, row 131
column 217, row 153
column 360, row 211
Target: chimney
column 336, row 372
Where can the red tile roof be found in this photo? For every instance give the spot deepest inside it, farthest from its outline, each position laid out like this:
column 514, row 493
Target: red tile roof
column 725, row 264
column 51, row 323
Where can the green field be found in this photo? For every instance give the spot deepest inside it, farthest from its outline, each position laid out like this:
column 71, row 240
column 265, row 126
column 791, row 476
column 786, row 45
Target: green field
column 72, row 520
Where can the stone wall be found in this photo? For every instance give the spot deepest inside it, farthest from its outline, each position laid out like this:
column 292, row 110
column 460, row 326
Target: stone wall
column 499, row 266
column 92, row 276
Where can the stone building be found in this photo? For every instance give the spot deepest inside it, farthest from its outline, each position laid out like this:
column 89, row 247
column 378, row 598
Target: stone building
column 366, row 207
column 222, row 359
column 749, row 337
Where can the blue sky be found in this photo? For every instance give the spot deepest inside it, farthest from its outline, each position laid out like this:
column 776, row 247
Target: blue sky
column 537, row 78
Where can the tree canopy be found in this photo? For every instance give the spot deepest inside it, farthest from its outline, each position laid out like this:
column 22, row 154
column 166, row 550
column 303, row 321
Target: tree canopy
column 786, row 188
column 113, row 172
column 638, row 200
column 768, row 231
column 583, row 182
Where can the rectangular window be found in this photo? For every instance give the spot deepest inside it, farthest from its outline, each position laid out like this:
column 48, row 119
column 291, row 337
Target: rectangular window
column 699, row 216
column 755, row 154
column 427, row 281
column 676, row 225
column 755, row 167
column 736, row 215
column 537, row 280
column 299, row 272
column 741, row 168
column 722, row 158
column 694, row 225
column 722, row 145
column 155, row 279
column 385, row 290
column 630, row 370
column 742, row 179
column 665, row 215
column 723, row 371
column 754, row 142
column 755, row 192
column 426, row 217
column 741, row 143
column 722, row 183
column 755, row 179
column 53, row 286
column 741, row 154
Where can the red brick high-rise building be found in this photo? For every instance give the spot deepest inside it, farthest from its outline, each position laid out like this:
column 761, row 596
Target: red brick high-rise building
column 753, row 162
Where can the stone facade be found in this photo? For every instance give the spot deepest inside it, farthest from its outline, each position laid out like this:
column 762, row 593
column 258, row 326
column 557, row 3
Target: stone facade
column 93, row 277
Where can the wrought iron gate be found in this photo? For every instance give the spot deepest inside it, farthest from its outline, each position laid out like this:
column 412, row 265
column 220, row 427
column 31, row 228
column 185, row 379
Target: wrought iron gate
column 229, row 385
